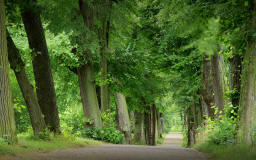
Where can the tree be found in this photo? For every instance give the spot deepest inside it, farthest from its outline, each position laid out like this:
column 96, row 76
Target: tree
column 103, row 34
column 218, row 76
column 41, row 64
column 86, row 74
column 247, row 99
column 36, row 116
column 7, row 122
column 123, row 116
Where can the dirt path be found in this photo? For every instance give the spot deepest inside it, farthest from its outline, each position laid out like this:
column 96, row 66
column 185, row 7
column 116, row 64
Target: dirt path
column 171, row 150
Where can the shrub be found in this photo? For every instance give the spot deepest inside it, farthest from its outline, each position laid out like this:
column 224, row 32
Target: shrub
column 109, row 133
column 222, row 131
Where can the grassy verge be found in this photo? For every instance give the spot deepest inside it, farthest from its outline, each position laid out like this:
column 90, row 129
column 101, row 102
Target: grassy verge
column 228, row 152
column 29, row 144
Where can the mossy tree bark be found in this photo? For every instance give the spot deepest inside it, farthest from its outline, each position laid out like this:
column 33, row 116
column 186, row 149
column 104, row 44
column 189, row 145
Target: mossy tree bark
column 36, row 117
column 89, row 97
column 152, row 125
column 7, row 122
column 247, row 132
column 160, row 125
column 207, row 99
column 86, row 75
column 190, row 124
column 235, row 69
column 139, row 134
column 103, row 34
column 218, row 75
column 123, row 116
column 42, row 68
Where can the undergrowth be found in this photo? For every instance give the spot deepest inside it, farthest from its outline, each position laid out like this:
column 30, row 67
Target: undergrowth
column 27, row 143
column 218, row 138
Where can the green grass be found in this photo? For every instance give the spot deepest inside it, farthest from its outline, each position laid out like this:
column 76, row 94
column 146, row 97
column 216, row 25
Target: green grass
column 228, row 152
column 29, row 144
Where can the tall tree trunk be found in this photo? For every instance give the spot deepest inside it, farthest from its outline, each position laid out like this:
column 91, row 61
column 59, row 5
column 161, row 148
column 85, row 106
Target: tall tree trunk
column 7, row 122
column 103, row 34
column 86, row 74
column 123, row 116
column 132, row 120
column 160, row 125
column 152, row 125
column 190, row 123
column 207, row 99
column 36, row 117
column 218, row 75
column 235, row 80
column 247, row 112
column 89, row 97
column 104, row 94
column 42, row 68
column 147, row 126
column 248, row 96
column 139, row 134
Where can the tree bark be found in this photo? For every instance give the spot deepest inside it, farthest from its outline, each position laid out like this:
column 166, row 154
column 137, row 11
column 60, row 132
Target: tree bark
column 7, row 122
column 89, row 96
column 235, row 79
column 36, row 117
column 218, row 75
column 132, row 120
column 207, row 99
column 103, row 37
column 247, row 112
column 123, row 116
column 190, row 123
column 42, row 68
column 86, row 75
column 139, row 135
column 152, row 125
column 248, row 96
column 160, row 125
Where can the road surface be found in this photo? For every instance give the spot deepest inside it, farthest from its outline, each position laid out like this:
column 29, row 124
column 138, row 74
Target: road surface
column 170, row 150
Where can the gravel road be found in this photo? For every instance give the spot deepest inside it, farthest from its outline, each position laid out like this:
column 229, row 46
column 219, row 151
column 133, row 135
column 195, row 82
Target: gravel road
column 170, row 150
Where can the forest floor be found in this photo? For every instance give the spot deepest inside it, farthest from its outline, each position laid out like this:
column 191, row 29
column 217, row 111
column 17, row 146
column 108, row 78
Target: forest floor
column 170, row 150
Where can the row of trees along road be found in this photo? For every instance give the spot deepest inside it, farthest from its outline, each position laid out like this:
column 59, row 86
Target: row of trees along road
column 131, row 58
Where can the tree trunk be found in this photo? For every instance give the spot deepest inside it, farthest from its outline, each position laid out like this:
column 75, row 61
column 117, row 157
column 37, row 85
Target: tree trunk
column 86, row 74
column 152, row 125
column 132, row 120
column 248, row 97
column 36, row 117
column 42, row 69
column 123, row 116
column 146, row 126
column 160, row 125
column 218, row 75
column 104, row 94
column 89, row 96
column 235, row 80
column 139, row 135
column 207, row 99
column 190, row 123
column 7, row 122
column 103, row 35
